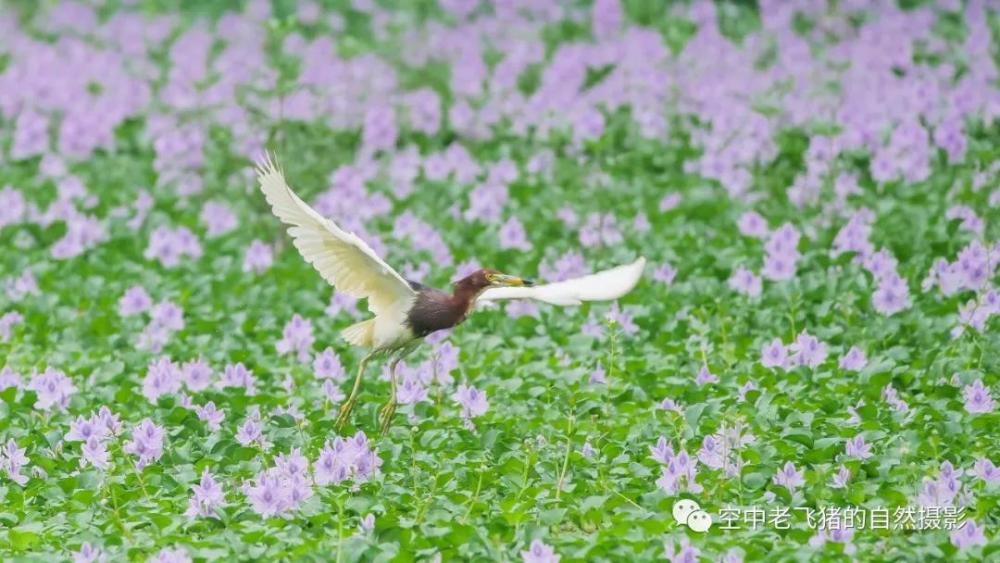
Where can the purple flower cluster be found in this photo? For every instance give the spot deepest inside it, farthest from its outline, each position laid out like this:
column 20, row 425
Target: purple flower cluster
column 473, row 402
column 95, row 433
column 679, row 471
column 807, row 350
column 168, row 246
column 146, row 443
column 53, row 389
column 297, row 338
column 341, row 460
column 13, row 461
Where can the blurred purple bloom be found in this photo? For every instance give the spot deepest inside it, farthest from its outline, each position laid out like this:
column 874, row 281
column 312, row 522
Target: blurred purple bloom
column 789, row 477
column 744, row 281
column 135, row 301
column 297, row 337
column 207, row 498
column 857, row 448
column 258, row 258
column 53, row 389
column 12, row 461
column 211, row 415
column 146, row 443
column 774, row 355
column 969, row 535
column 978, row 399
column 853, row 360
column 538, row 552
column 472, row 400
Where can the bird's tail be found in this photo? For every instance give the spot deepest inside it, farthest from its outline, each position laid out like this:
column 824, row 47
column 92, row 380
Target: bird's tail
column 360, row 334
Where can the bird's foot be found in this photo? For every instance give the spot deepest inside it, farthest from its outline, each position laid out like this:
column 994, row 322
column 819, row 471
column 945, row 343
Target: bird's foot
column 345, row 412
column 385, row 415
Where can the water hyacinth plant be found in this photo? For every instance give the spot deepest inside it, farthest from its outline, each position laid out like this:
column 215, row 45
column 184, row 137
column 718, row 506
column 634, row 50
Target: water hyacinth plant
column 809, row 356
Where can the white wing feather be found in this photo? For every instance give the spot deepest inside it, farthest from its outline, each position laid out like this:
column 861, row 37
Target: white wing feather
column 606, row 285
column 343, row 259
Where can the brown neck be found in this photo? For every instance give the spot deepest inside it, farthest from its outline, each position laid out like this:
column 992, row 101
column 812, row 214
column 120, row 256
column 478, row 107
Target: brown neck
column 464, row 295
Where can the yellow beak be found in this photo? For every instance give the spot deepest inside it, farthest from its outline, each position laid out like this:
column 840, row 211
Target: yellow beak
column 503, row 280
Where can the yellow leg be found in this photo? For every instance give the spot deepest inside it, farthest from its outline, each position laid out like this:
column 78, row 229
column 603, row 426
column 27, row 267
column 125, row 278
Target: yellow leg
column 345, row 409
column 388, row 410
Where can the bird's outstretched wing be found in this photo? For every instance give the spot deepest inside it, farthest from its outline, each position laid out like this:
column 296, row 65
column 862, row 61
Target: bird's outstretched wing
column 605, row 285
column 343, row 259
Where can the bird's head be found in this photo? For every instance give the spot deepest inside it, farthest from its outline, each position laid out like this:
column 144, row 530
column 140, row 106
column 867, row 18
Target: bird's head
column 486, row 278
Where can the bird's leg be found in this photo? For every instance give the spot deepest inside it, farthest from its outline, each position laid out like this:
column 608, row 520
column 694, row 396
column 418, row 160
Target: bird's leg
column 345, row 409
column 388, row 410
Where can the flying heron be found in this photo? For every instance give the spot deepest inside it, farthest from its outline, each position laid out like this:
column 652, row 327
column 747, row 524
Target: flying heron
column 406, row 311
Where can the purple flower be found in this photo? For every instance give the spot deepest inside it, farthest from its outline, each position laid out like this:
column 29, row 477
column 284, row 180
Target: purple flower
column 705, row 377
column 987, row 471
column 978, row 399
column 840, row 479
column 606, row 18
column 522, row 308
column 512, row 236
column 22, row 286
column 853, row 360
column 341, row 302
column 210, row 415
column 82, row 429
column 217, row 219
column 12, row 461
column 411, row 391
column 669, row 202
column 297, row 337
column 890, row 396
column 751, row 224
column 7, row 322
column 789, row 477
column 258, row 258
column 251, row 433
column 95, row 453
column 679, row 475
column 135, row 301
column 163, row 377
column 346, row 459
column 367, row 524
column 665, row 274
column 168, row 315
column 744, row 281
column 600, row 230
column 711, row 453
column 238, row 376
column 89, row 554
column 53, row 389
column 968, row 536
column 207, row 498
column 146, row 442
column 168, row 246
column 538, row 552
column 858, row 449
column 326, row 365
column 891, row 296
column 807, row 350
column 774, row 355
column 472, row 400
column 9, row 379
column 588, row 451
column 197, row 375
column 686, row 554
column 662, row 451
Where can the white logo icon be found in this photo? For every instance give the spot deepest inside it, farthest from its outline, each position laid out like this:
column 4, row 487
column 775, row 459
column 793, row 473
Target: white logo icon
column 688, row 513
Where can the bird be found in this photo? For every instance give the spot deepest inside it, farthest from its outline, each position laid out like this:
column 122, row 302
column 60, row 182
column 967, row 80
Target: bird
column 405, row 312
